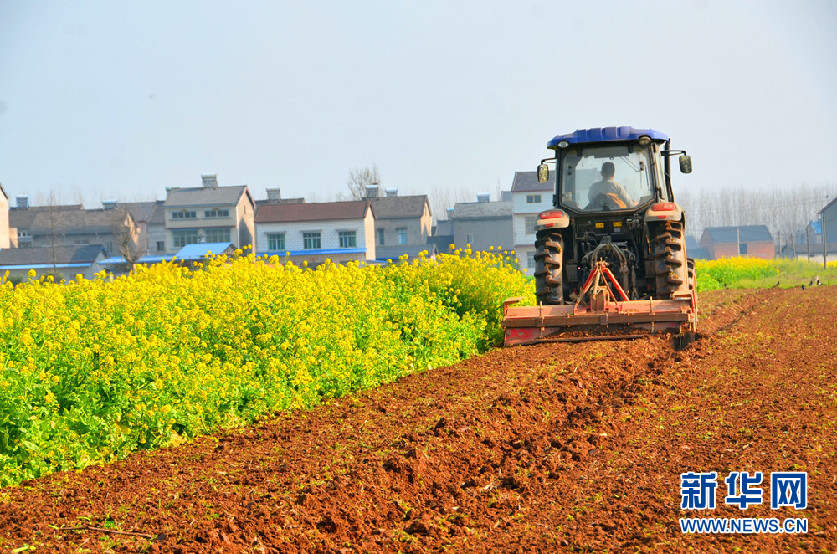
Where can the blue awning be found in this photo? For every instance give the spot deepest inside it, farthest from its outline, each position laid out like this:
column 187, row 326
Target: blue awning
column 202, row 250
column 44, row 266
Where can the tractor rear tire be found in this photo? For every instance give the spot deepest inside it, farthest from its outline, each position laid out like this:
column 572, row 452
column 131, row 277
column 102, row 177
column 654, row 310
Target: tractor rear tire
column 549, row 257
column 690, row 264
column 670, row 265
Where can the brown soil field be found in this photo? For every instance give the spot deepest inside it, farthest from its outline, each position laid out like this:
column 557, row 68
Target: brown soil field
column 536, row 448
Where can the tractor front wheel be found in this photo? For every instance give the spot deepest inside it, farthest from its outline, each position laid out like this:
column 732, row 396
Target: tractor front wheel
column 548, row 267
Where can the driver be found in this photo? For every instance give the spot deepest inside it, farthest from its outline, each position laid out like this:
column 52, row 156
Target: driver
column 616, row 194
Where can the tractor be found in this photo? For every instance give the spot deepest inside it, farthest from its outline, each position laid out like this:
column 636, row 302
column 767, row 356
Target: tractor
column 610, row 257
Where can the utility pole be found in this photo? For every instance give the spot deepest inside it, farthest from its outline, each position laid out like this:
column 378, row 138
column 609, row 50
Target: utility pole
column 52, row 230
column 738, row 241
column 808, row 239
column 824, row 241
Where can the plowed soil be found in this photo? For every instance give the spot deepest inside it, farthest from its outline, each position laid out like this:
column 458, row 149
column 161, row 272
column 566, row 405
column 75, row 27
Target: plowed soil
column 550, row 447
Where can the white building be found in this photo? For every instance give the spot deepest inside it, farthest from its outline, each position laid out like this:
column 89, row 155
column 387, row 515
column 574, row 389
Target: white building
column 529, row 198
column 340, row 231
column 8, row 238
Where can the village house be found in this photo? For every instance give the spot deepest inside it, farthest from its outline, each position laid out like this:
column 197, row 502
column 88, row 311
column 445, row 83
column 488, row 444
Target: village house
column 150, row 220
column 483, row 224
column 754, row 241
column 694, row 250
column 828, row 214
column 442, row 236
column 312, row 232
column 402, row 223
column 189, row 256
column 529, row 198
column 209, row 213
column 72, row 225
column 63, row 262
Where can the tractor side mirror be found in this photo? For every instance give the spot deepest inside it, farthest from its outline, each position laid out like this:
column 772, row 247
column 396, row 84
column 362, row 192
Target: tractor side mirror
column 543, row 173
column 685, row 163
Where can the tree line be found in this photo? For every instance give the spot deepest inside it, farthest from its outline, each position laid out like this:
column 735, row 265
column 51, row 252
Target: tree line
column 785, row 210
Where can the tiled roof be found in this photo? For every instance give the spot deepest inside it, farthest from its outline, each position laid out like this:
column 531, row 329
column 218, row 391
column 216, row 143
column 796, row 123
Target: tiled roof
column 314, row 211
column 270, row 202
column 67, row 220
column 481, row 210
column 749, row 233
column 527, row 181
column 142, row 212
column 85, row 254
column 393, row 207
column 204, row 196
column 23, row 218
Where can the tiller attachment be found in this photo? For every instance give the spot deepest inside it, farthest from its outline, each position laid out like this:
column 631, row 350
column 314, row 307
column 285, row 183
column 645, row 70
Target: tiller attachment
column 602, row 311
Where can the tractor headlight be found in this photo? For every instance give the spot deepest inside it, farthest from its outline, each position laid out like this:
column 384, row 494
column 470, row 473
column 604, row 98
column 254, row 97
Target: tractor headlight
column 644, row 140
column 563, row 144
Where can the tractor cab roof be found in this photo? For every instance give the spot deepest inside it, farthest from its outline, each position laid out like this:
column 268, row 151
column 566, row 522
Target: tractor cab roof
column 606, row 134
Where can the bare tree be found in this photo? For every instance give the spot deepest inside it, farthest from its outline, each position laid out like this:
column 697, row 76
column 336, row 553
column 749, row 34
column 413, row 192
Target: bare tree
column 360, row 178
column 126, row 235
column 786, row 211
column 442, row 198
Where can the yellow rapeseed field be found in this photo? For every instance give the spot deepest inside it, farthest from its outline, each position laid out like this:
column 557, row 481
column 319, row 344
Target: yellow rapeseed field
column 756, row 273
column 93, row 370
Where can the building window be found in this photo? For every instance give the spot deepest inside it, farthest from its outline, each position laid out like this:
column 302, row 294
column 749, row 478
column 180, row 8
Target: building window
column 402, row 235
column 184, row 214
column 531, row 224
column 533, row 198
column 182, row 237
column 276, row 241
column 348, row 239
column 311, row 240
column 161, row 245
column 469, row 238
column 216, row 212
column 530, row 260
column 217, row 235
column 380, row 236
column 742, row 249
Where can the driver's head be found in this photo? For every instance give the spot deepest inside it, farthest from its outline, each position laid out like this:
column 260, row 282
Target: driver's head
column 607, row 170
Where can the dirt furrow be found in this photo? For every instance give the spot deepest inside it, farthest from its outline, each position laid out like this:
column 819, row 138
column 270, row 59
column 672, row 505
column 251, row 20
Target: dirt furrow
column 532, row 447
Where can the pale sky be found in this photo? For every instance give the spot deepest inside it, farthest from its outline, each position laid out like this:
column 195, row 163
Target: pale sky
column 103, row 100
